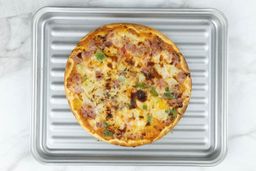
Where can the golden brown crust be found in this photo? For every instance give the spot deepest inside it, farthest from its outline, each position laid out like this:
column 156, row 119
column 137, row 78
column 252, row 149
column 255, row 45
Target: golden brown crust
column 75, row 105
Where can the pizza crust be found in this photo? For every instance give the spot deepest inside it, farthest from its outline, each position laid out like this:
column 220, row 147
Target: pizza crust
column 138, row 28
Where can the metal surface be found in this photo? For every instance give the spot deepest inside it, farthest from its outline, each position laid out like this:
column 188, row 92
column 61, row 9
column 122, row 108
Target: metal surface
column 199, row 138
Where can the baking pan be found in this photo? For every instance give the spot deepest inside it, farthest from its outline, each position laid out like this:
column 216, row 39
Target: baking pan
column 200, row 137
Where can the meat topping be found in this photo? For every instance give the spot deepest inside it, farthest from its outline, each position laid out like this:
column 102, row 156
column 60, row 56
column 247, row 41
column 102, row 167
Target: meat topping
column 156, row 45
column 174, row 58
column 78, row 89
column 110, row 65
column 175, row 102
column 116, row 83
column 78, row 58
column 98, row 75
column 133, row 100
column 141, row 95
column 108, row 43
column 161, row 83
column 74, row 79
column 108, row 84
column 181, row 76
column 109, row 113
column 129, row 61
column 86, row 54
column 150, row 73
column 87, row 111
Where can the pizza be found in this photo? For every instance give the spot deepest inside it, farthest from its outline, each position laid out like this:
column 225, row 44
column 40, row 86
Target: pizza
column 127, row 84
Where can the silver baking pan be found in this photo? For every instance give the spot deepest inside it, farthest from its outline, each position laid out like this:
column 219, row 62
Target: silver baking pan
column 199, row 139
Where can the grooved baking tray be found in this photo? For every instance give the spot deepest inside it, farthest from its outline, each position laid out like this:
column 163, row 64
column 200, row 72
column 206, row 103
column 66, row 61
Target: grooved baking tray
column 198, row 139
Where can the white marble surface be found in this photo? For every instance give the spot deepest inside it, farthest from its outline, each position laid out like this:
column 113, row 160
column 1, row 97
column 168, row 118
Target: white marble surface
column 15, row 81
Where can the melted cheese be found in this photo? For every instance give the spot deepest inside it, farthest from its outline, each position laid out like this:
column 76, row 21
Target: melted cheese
column 167, row 71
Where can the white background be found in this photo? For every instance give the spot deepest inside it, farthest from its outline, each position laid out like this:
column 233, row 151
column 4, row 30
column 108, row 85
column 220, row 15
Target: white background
column 15, row 81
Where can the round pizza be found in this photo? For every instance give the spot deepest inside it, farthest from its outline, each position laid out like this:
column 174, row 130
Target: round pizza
column 127, row 84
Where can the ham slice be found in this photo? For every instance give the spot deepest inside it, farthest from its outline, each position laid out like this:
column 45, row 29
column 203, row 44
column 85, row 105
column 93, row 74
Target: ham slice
column 98, row 75
column 181, row 76
column 78, row 89
column 74, row 78
column 78, row 58
column 86, row 54
column 174, row 58
column 161, row 83
column 116, row 83
column 87, row 111
column 150, row 72
column 175, row 102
